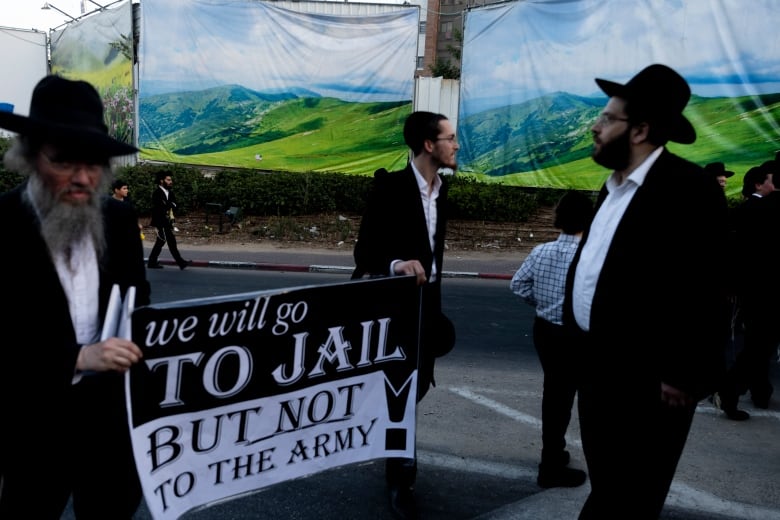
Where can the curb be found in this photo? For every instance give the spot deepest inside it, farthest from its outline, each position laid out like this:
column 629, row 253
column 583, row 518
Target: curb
column 259, row 266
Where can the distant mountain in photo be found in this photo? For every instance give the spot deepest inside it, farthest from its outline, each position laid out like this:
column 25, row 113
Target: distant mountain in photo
column 234, row 121
column 525, row 136
column 554, row 129
column 211, row 120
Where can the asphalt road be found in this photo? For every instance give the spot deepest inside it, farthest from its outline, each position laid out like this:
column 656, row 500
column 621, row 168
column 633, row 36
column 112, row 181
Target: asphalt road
column 479, row 429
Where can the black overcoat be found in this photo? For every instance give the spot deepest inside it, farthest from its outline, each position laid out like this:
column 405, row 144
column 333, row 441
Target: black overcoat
column 39, row 405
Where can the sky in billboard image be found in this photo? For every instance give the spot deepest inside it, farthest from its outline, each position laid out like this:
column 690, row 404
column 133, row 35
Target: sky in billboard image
column 729, row 51
column 264, row 48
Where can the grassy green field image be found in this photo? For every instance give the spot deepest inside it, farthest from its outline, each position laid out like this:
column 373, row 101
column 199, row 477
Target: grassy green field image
column 232, row 126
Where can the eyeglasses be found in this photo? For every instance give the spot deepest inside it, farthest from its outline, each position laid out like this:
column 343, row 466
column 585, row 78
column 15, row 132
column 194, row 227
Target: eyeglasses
column 450, row 138
column 607, row 119
column 71, row 166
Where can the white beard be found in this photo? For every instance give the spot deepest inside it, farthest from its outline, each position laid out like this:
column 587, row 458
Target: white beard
column 62, row 224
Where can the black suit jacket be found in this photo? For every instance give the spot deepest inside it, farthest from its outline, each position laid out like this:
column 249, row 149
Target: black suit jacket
column 760, row 255
column 37, row 361
column 393, row 227
column 747, row 239
column 160, row 207
column 659, row 312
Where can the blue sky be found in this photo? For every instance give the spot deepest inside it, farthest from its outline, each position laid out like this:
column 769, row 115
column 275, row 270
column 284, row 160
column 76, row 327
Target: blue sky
column 526, row 48
column 265, row 48
column 27, row 14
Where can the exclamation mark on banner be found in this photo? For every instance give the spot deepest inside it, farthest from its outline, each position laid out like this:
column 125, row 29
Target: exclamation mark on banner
column 395, row 438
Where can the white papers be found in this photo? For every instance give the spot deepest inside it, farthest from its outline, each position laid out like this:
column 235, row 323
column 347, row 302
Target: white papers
column 112, row 314
column 117, row 321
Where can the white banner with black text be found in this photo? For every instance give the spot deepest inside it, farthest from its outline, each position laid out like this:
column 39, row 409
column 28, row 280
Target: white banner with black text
column 240, row 392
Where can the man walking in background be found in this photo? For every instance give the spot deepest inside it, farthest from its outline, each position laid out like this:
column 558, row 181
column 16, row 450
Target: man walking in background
column 163, row 205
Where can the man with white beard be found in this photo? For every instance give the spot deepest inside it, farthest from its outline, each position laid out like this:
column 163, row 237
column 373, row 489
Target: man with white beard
column 62, row 400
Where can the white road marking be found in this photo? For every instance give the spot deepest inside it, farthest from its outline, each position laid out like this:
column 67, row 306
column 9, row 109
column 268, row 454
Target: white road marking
column 680, row 495
column 507, row 411
column 494, row 469
column 684, row 496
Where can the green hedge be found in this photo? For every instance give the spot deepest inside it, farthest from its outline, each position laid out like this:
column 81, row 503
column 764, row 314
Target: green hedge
column 292, row 194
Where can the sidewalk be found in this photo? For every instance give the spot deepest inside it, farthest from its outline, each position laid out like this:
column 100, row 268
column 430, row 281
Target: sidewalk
column 461, row 264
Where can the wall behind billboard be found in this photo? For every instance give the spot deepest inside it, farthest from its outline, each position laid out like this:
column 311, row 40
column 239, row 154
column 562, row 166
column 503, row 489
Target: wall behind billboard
column 528, row 96
column 257, row 85
column 24, row 59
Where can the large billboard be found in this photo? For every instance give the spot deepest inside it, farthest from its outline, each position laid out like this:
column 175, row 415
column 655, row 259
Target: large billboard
column 528, row 96
column 267, row 86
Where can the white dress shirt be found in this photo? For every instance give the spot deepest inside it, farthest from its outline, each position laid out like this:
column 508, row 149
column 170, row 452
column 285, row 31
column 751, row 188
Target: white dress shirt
column 80, row 280
column 602, row 230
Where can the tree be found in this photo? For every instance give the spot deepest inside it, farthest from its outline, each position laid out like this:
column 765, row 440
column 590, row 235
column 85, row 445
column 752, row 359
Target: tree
column 444, row 67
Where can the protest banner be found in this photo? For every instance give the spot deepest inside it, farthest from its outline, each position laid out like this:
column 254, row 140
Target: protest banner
column 241, row 392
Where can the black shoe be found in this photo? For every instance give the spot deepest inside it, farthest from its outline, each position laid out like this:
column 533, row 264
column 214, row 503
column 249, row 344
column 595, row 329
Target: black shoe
column 184, row 264
column 556, row 459
column 736, row 414
column 402, row 503
column 154, row 266
column 560, row 477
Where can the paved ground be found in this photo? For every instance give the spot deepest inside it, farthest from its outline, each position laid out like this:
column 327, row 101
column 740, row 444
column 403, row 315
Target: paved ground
column 683, row 501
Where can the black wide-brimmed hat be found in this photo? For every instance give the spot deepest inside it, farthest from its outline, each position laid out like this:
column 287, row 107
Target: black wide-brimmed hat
column 659, row 94
column 716, row 169
column 67, row 113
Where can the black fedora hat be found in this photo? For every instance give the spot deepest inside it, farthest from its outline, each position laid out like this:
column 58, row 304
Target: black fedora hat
column 660, row 94
column 67, row 112
column 716, row 169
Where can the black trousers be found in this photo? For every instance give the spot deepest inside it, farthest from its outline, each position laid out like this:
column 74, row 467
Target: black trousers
column 751, row 368
column 400, row 472
column 81, row 451
column 631, row 461
column 632, row 440
column 558, row 357
column 105, row 483
column 165, row 235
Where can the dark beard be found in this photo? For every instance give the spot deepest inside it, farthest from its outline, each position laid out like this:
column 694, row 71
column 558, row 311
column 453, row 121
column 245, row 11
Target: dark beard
column 616, row 153
column 445, row 164
column 62, row 224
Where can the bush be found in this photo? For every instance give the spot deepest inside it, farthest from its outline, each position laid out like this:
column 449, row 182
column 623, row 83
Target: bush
column 7, row 179
column 286, row 194
column 295, row 194
column 141, row 180
column 472, row 200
